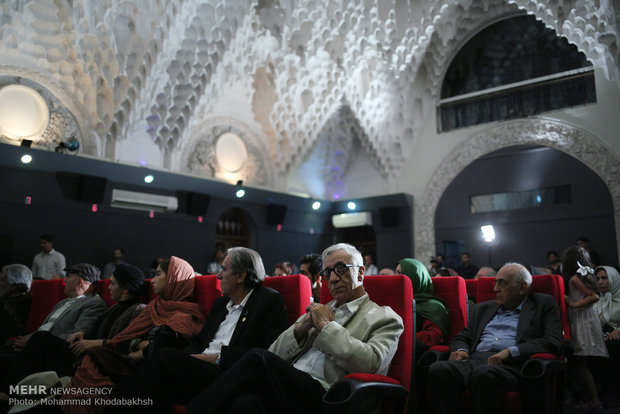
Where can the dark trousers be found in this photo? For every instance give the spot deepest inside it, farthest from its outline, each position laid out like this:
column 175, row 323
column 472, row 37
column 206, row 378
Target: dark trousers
column 487, row 383
column 168, row 377
column 260, row 382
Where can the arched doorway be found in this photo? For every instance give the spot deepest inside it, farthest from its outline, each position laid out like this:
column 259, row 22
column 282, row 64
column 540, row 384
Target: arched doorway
column 232, row 229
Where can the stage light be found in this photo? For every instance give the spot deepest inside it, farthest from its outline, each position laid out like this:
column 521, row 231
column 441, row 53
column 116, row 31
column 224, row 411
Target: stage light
column 488, row 233
column 240, row 192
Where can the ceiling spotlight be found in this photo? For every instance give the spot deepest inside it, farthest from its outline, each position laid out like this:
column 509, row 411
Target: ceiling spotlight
column 149, row 179
column 488, row 233
column 351, row 205
column 26, row 158
column 316, row 205
column 240, row 193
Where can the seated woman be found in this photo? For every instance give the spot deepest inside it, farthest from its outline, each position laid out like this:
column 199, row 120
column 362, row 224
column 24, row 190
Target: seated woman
column 608, row 310
column 432, row 323
column 46, row 352
column 170, row 319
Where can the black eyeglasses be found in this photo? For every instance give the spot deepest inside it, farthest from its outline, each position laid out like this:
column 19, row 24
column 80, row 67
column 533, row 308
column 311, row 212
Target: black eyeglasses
column 340, row 269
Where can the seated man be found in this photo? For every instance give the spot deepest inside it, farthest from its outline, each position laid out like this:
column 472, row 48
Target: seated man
column 247, row 315
column 500, row 336
column 349, row 334
column 15, row 300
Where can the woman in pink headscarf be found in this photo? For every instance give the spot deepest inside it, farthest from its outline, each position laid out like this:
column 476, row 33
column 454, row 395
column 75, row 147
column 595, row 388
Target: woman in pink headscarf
column 170, row 319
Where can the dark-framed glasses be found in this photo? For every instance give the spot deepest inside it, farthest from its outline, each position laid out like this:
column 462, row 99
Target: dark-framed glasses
column 340, row 269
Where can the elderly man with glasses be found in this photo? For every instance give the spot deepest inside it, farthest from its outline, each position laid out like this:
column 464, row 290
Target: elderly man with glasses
column 349, row 334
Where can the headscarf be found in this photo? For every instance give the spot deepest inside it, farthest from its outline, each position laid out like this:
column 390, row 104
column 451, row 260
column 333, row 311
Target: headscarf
column 605, row 306
column 426, row 304
column 171, row 308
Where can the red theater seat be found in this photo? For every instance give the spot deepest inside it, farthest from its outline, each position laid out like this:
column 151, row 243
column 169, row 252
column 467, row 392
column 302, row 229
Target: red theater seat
column 45, row 295
column 472, row 289
column 296, row 291
column 452, row 290
column 206, row 290
column 367, row 390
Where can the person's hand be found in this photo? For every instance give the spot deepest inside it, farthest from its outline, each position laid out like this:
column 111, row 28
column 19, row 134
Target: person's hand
column 569, row 301
column 136, row 354
column 76, row 336
column 82, row 346
column 499, row 358
column 614, row 335
column 211, row 358
column 20, row 342
column 303, row 326
column 142, row 345
column 321, row 315
column 459, row 356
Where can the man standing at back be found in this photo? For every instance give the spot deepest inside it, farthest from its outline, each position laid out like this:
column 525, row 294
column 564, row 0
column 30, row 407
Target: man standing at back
column 486, row 356
column 48, row 263
column 349, row 334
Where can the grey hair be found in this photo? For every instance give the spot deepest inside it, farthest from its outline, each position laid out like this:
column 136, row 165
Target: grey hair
column 249, row 261
column 522, row 274
column 18, row 273
column 355, row 254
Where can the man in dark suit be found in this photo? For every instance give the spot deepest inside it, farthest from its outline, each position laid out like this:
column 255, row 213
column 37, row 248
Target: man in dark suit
column 248, row 315
column 500, row 336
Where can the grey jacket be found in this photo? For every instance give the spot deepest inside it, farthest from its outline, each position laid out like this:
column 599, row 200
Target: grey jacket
column 80, row 316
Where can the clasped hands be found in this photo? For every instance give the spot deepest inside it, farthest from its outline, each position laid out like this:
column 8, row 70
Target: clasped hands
column 316, row 316
column 495, row 359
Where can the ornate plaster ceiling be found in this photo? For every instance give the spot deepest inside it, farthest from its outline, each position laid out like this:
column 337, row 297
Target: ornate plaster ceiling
column 310, row 71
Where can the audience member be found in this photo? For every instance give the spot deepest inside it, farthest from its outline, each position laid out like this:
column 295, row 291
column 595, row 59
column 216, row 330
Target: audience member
column 170, row 319
column 584, row 243
column 585, row 327
column 349, row 334
column 446, row 271
column 608, row 310
column 15, row 282
column 432, row 322
column 386, row 271
column 371, row 269
column 487, row 354
column 554, row 262
column 48, row 263
column 118, row 257
column 46, row 352
column 284, row 269
column 466, row 269
column 485, row 271
column 215, row 266
column 441, row 261
column 433, row 269
column 154, row 266
column 310, row 266
column 248, row 315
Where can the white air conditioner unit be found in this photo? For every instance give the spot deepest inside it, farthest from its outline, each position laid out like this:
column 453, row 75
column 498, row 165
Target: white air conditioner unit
column 362, row 218
column 134, row 200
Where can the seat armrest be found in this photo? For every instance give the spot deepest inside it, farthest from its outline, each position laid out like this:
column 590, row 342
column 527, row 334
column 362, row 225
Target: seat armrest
column 355, row 396
column 542, row 365
column 431, row 356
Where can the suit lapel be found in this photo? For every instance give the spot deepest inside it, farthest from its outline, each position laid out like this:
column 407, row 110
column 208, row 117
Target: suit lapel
column 218, row 317
column 527, row 314
column 245, row 316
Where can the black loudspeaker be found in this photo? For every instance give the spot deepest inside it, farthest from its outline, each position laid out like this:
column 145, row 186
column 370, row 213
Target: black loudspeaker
column 197, row 204
column 390, row 216
column 275, row 213
column 92, row 188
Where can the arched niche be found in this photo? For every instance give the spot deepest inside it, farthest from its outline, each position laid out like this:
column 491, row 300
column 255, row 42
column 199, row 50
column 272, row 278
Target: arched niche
column 234, row 228
column 533, row 131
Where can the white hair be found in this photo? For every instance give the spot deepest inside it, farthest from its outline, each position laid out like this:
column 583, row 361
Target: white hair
column 18, row 273
column 522, row 274
column 356, row 258
column 249, row 261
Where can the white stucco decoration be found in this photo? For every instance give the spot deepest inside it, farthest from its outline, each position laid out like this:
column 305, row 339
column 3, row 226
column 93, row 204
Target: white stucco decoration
column 231, row 152
column 23, row 112
column 535, row 131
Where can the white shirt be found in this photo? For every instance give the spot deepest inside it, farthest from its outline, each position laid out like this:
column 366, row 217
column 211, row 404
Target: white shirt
column 227, row 327
column 46, row 265
column 57, row 313
column 313, row 361
column 371, row 270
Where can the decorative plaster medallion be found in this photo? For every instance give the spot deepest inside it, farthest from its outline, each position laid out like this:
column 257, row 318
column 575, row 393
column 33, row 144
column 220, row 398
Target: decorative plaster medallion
column 230, row 152
column 23, row 112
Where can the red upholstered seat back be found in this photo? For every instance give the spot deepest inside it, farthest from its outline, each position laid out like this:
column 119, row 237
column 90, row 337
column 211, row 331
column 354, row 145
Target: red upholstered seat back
column 45, row 295
column 206, row 290
column 101, row 288
column 472, row 289
column 296, row 291
column 395, row 292
column 452, row 290
column 550, row 284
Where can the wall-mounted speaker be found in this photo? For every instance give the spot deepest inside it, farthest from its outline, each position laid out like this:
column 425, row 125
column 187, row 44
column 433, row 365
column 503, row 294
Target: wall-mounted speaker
column 275, row 214
column 390, row 216
column 92, row 188
column 197, row 204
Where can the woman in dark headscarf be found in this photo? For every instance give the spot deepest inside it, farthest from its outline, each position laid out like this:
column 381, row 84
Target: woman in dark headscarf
column 432, row 323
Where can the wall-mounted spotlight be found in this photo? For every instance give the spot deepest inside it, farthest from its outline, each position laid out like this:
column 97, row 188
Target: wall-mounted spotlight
column 316, row 205
column 488, row 233
column 240, row 191
column 351, row 205
column 149, row 179
column 26, row 158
